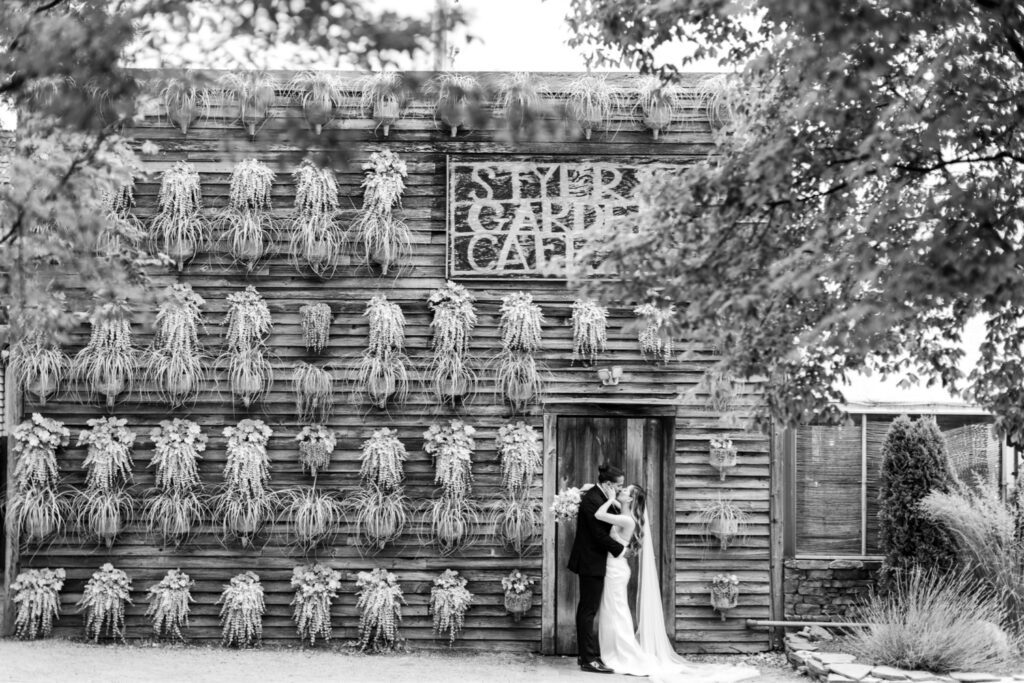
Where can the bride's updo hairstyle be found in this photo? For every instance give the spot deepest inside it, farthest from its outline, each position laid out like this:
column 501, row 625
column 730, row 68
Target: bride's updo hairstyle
column 636, row 511
column 607, row 473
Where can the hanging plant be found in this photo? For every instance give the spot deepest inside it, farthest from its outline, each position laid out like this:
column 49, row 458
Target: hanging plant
column 316, row 444
column 312, row 517
column 449, row 600
column 380, row 507
column 248, row 327
column 722, row 456
column 104, row 507
column 253, row 93
column 122, row 230
column 657, row 104
column 36, row 510
column 459, row 100
column 517, row 375
column 175, row 507
column 724, row 520
column 316, row 326
column 725, row 593
column 654, row 338
column 383, row 238
column 316, row 588
column 452, row 516
column 108, row 365
column 453, row 323
column 316, row 237
column 103, row 602
column 520, row 101
column 176, row 363
column 241, row 616
column 721, row 390
column 519, row 450
column 38, row 365
column 184, row 103
column 383, row 373
column 246, row 224
column 37, row 595
column 379, row 603
column 320, row 94
column 245, row 505
column 383, row 95
column 179, row 228
column 518, row 593
column 518, row 522
column 591, row 101
column 314, row 393
column 169, row 604
column 589, row 330
column 382, row 460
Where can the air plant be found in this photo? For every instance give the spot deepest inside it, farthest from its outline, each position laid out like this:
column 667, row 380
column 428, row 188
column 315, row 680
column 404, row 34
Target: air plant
column 520, row 101
column 316, row 444
column 383, row 373
column 459, row 98
column 316, row 588
column 591, row 101
column 589, row 330
column 253, row 93
column 383, row 95
column 175, row 507
column 654, row 338
column 449, row 600
column 38, row 364
column 248, row 326
column 518, row 377
column 245, row 505
column 320, row 94
column 316, row 326
column 312, row 516
column 104, row 507
column 184, row 103
column 108, row 365
column 657, row 103
column 36, row 509
column 169, row 606
column 123, row 229
column 179, row 228
column 176, row 363
column 380, row 507
column 383, row 237
column 380, row 610
column 246, row 224
column 103, row 602
column 37, row 595
column 316, row 237
column 241, row 616
column 314, row 392
column 450, row 374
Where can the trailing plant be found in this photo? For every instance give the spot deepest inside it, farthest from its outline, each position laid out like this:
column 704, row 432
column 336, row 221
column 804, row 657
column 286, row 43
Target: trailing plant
column 316, row 588
column 449, row 600
column 380, row 507
column 379, row 603
column 316, row 238
column 518, row 377
column 657, row 104
column 723, row 519
column 244, row 504
column 383, row 373
column 108, row 365
column 169, row 604
column 520, row 101
column 123, row 229
column 451, row 446
column 312, row 516
column 103, row 602
column 241, row 615
column 316, row 444
column 314, row 392
column 37, row 595
column 725, row 591
column 382, row 460
column 655, row 339
column 459, row 100
column 246, row 224
column 722, row 455
column 184, row 103
column 36, row 441
column 320, row 94
column 38, row 364
column 179, row 229
column 253, row 93
column 382, row 236
column 589, row 330
column 104, row 506
column 248, row 326
column 591, row 100
column 176, row 362
column 520, row 453
column 316, row 326
column 175, row 507
column 382, row 98
column 450, row 374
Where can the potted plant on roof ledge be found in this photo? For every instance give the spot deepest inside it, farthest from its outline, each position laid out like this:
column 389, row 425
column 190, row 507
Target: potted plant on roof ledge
column 383, row 95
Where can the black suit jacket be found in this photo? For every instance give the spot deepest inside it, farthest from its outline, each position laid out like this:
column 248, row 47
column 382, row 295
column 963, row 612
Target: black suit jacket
column 593, row 541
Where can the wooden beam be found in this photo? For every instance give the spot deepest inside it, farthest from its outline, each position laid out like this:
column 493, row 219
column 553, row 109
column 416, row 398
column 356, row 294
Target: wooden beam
column 549, row 588
column 776, row 579
column 11, row 417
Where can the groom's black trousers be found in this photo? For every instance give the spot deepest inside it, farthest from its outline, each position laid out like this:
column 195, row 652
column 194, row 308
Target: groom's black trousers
column 591, row 588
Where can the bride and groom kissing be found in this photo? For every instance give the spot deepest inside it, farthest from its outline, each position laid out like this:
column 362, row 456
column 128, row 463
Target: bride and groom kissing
column 612, row 526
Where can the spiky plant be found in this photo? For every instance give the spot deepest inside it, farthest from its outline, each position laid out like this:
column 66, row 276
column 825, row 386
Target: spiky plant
column 123, row 230
column 657, row 104
column 379, row 603
column 184, row 102
column 253, row 94
column 38, row 364
column 450, row 372
column 176, row 362
column 459, row 98
column 520, row 101
column 312, row 516
column 169, row 604
column 320, row 94
column 316, row 238
column 246, row 225
column 383, row 95
column 316, row 326
column 241, row 616
column 383, row 373
column 109, row 364
column 379, row 515
column 245, row 505
column 316, row 444
column 179, row 228
column 451, row 523
column 314, row 392
column 591, row 102
column 382, row 237
column 655, row 339
column 316, row 588
column 37, row 595
column 589, row 330
column 518, row 522
column 449, row 600
column 103, row 602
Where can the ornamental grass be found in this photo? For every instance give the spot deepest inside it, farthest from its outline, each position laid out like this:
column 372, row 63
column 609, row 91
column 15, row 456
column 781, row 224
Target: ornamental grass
column 379, row 515
column 518, row 522
column 104, row 507
column 38, row 365
column 123, row 231
column 312, row 516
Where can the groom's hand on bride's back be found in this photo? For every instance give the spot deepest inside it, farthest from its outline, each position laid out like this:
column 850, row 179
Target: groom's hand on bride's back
column 629, row 553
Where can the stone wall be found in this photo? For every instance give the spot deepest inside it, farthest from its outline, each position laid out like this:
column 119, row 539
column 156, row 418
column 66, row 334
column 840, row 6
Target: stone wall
column 827, row 590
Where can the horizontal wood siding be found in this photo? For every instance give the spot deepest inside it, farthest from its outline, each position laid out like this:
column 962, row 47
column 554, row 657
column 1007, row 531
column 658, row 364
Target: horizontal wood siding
column 214, row 145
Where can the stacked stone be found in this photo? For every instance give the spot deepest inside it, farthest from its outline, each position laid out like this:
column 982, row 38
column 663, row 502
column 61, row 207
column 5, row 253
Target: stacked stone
column 827, row 590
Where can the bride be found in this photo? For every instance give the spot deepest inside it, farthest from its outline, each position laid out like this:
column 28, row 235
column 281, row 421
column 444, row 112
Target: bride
column 648, row 652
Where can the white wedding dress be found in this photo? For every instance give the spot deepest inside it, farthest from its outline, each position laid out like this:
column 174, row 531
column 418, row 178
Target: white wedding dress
column 648, row 652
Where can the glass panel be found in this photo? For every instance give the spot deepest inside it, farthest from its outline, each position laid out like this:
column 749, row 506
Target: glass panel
column 828, row 490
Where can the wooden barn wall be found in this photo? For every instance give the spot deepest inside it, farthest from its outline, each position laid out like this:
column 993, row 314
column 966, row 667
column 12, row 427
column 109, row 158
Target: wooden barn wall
column 213, row 145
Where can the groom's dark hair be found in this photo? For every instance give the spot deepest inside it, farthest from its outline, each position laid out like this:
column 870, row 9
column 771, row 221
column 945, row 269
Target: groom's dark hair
column 606, row 473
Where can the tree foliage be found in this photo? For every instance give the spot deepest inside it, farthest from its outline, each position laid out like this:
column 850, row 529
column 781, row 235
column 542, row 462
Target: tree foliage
column 861, row 205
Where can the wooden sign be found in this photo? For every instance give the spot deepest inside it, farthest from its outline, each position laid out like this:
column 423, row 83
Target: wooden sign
column 518, row 218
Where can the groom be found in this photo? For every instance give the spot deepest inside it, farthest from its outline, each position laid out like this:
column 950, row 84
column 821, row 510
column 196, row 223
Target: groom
column 589, row 555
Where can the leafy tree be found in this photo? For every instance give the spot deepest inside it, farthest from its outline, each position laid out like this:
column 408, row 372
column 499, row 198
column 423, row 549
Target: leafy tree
column 914, row 464
column 862, row 203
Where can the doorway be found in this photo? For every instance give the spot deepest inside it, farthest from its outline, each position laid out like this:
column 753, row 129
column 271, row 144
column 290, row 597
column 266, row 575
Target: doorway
column 643, row 448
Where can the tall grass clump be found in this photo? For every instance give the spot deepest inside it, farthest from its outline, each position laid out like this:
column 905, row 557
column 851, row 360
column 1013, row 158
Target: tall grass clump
column 253, row 93
column 37, row 364
column 383, row 374
column 247, row 225
column 316, row 238
column 381, row 236
column 184, row 102
column 383, row 96
column 176, row 363
column 320, row 94
column 591, row 103
column 312, row 516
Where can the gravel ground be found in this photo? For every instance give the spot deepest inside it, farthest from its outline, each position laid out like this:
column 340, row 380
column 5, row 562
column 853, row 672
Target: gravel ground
column 62, row 660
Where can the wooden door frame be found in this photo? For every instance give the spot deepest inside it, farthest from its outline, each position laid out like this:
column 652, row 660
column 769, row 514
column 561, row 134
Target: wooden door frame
column 668, row 510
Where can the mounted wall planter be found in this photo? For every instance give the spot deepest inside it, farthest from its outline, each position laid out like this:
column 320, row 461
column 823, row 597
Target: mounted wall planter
column 722, row 456
column 725, row 593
